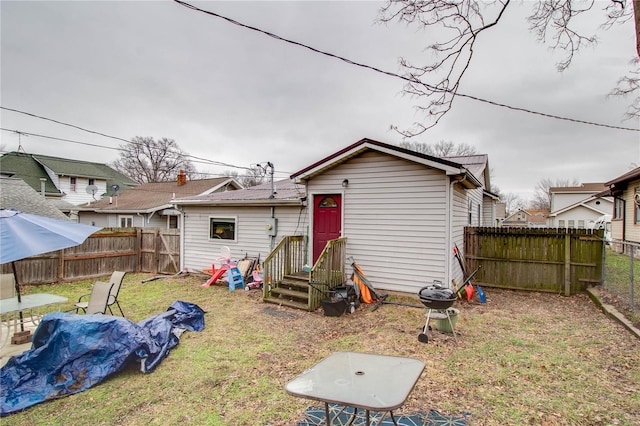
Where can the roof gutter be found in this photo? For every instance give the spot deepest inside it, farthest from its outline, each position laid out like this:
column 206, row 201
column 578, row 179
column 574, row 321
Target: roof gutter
column 267, row 202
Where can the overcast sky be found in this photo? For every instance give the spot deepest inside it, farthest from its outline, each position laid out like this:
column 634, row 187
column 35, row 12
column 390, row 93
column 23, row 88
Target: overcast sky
column 227, row 94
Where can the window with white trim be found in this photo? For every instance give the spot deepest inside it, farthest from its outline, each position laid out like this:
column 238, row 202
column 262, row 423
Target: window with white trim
column 126, row 221
column 618, row 208
column 172, row 222
column 72, row 183
column 222, row 228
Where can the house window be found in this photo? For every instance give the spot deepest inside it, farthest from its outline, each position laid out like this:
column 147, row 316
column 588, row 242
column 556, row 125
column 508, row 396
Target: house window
column 222, row 228
column 637, row 212
column 580, row 224
column 561, row 223
column 327, row 203
column 572, row 224
column 173, row 222
column 469, row 213
column 126, row 221
column 72, row 184
column 618, row 208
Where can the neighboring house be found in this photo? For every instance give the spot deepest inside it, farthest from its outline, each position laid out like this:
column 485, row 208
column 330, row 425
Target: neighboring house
column 530, row 218
column 249, row 221
column 578, row 207
column 625, row 190
column 15, row 194
column 72, row 181
column 478, row 165
column 401, row 212
column 149, row 204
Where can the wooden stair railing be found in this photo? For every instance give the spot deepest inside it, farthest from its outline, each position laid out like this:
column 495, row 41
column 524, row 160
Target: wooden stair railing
column 286, row 282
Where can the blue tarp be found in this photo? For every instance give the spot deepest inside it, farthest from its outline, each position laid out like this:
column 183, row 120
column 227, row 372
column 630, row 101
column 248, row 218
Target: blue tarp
column 71, row 353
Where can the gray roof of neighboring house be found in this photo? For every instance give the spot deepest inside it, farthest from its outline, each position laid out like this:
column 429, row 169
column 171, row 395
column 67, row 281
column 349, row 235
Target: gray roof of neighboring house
column 31, row 167
column 589, row 188
column 476, row 164
column 17, row 195
column 152, row 196
column 286, row 192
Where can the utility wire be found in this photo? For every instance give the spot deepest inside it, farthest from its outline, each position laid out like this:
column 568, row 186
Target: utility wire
column 201, row 160
column 395, row 75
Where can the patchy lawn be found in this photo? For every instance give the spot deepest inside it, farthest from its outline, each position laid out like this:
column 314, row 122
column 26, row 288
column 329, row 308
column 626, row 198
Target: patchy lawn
column 521, row 358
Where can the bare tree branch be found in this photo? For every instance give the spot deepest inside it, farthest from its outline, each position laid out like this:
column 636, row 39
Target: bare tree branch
column 460, row 22
column 145, row 159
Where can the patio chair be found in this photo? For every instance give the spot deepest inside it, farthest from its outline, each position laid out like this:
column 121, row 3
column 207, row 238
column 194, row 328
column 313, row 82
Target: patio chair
column 7, row 286
column 116, row 282
column 98, row 302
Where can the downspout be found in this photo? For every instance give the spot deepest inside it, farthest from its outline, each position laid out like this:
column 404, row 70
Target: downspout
column 181, row 225
column 272, row 238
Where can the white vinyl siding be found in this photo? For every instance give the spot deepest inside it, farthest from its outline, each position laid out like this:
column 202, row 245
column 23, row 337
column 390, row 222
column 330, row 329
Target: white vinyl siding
column 80, row 195
column 251, row 235
column 394, row 218
column 488, row 212
column 459, row 221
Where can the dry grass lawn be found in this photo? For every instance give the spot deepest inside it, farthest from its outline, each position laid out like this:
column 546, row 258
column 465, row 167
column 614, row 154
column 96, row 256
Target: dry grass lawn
column 521, row 358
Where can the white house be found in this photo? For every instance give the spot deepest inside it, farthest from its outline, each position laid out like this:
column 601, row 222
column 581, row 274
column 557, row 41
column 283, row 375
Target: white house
column 68, row 182
column 402, row 212
column 578, row 207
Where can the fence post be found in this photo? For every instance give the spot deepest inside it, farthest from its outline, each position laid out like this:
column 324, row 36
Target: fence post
column 631, row 256
column 60, row 275
column 567, row 264
column 138, row 249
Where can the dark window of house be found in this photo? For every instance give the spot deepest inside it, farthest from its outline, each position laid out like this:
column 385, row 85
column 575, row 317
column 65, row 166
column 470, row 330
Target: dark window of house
column 126, row 221
column 618, row 208
column 72, row 184
column 173, row 222
column 92, row 181
column 222, row 228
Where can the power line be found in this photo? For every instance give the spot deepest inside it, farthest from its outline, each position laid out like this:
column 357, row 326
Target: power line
column 196, row 159
column 200, row 159
column 395, row 75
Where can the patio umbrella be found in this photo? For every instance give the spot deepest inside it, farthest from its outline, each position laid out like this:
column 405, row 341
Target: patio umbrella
column 24, row 235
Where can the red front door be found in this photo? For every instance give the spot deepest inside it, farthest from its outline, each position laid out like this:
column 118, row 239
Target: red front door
column 327, row 221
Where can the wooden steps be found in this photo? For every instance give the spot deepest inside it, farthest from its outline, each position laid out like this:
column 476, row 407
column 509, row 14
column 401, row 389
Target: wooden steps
column 292, row 291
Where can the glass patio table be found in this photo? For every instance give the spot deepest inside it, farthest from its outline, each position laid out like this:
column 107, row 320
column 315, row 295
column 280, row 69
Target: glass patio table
column 371, row 382
column 33, row 303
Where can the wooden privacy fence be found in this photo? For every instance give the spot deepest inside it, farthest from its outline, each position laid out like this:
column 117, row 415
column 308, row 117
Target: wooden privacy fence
column 150, row 250
column 540, row 259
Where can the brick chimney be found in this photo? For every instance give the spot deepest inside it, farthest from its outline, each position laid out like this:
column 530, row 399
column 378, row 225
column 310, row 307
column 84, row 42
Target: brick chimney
column 182, row 178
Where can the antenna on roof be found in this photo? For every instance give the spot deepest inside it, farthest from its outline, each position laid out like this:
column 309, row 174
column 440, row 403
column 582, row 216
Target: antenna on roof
column 20, row 134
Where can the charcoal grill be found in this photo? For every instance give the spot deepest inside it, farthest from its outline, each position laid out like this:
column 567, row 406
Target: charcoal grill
column 438, row 300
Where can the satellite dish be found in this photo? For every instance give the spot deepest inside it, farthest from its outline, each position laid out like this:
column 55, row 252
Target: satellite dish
column 115, row 188
column 92, row 189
